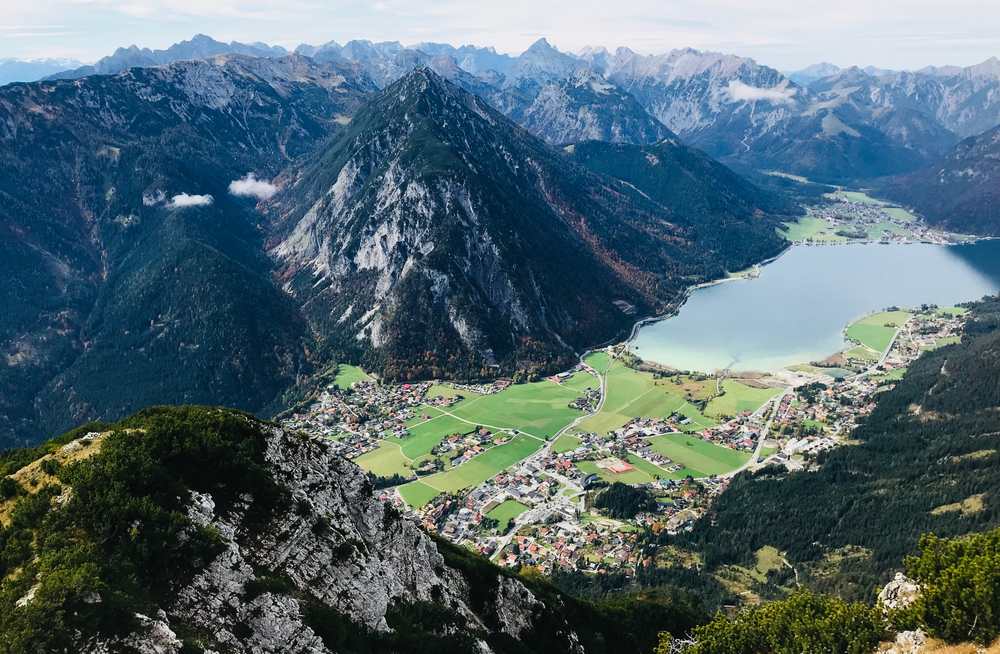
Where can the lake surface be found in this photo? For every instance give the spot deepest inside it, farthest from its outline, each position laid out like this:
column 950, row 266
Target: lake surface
column 795, row 312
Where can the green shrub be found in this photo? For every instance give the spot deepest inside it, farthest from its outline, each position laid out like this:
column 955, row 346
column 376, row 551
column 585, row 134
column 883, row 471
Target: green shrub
column 959, row 587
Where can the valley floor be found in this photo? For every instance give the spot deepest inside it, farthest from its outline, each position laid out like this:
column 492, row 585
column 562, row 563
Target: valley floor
column 511, row 470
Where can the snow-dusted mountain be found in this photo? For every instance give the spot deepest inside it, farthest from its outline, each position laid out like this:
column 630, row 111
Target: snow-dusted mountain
column 198, row 47
column 822, row 122
column 810, row 74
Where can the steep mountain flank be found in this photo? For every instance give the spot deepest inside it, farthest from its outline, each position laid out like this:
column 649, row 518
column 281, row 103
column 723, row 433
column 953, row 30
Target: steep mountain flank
column 729, row 214
column 133, row 275
column 961, row 191
column 195, row 530
column 587, row 107
column 435, row 237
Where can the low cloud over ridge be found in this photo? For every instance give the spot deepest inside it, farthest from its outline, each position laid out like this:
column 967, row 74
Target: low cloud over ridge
column 252, row 187
column 184, row 201
column 741, row 92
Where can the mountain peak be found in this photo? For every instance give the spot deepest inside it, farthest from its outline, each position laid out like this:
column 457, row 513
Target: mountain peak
column 542, row 45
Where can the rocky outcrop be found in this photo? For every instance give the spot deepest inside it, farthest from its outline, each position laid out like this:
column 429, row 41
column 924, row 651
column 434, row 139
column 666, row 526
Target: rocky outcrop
column 339, row 547
column 898, row 593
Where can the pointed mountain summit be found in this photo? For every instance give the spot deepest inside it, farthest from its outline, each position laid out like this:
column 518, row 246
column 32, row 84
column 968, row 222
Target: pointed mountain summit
column 435, row 237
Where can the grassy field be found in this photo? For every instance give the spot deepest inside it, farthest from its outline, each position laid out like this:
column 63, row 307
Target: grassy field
column 540, row 408
column 858, row 196
column 737, row 398
column 599, row 361
column 565, row 443
column 505, row 512
column 862, row 353
column 443, row 390
column 417, row 493
column 900, row 214
column 486, row 465
column 876, row 231
column 425, row 435
column 952, row 311
column 700, row 457
column 811, row 228
column 876, row 331
column 581, row 382
column 348, row 376
column 631, row 394
column 385, row 461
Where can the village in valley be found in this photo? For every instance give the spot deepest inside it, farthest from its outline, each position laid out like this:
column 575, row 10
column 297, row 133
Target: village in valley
column 516, row 471
column 852, row 216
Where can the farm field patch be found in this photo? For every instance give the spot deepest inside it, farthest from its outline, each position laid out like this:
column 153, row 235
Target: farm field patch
column 737, row 398
column 700, row 457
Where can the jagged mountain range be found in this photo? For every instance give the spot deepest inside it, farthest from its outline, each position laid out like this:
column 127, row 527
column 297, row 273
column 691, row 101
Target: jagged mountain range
column 405, row 232
column 826, row 123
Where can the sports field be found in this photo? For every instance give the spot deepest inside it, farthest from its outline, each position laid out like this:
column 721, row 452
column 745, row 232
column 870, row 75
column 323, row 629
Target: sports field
column 876, row 331
column 505, row 512
column 348, row 376
column 631, row 477
column 385, row 461
column 699, row 457
column 632, row 394
column 737, row 398
column 486, row 465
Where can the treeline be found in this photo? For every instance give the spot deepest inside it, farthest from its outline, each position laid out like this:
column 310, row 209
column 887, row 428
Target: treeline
column 927, row 461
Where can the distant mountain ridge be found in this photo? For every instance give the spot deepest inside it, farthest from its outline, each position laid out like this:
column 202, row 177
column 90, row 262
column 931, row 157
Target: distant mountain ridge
column 31, row 70
column 825, row 123
column 198, row 47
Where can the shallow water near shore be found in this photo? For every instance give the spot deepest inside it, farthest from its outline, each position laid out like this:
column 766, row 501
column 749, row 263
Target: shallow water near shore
column 796, row 310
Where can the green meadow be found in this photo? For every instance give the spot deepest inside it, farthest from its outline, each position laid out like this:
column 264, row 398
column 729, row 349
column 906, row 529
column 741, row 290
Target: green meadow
column 737, row 398
column 348, row 376
column 699, row 457
column 876, row 331
column 632, row 394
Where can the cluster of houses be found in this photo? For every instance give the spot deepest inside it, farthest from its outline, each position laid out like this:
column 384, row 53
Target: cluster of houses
column 557, row 527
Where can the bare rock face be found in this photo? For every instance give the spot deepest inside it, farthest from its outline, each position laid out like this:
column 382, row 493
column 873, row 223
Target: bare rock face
column 907, row 642
column 899, row 593
column 338, row 547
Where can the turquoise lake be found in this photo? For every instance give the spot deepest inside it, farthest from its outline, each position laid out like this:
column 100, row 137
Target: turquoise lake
column 796, row 310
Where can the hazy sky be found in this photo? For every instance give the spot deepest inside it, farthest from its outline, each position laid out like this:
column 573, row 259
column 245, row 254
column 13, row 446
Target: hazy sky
column 785, row 34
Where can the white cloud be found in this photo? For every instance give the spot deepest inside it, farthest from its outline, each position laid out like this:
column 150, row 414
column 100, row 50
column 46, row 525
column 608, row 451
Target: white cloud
column 184, row 201
column 251, row 187
column 741, row 92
